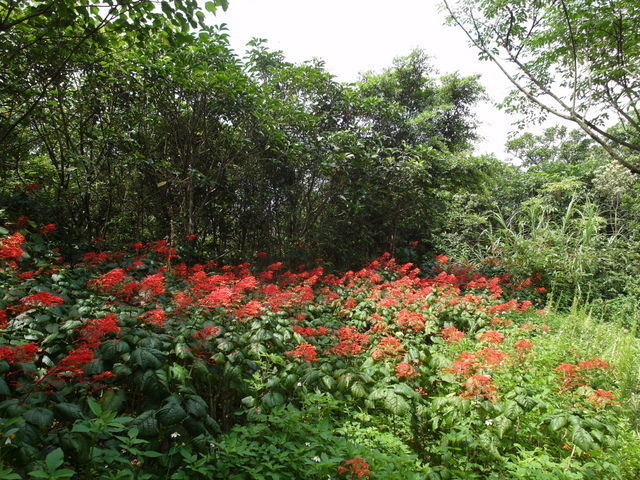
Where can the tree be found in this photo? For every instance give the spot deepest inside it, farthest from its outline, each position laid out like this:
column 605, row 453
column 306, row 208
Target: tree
column 39, row 40
column 576, row 59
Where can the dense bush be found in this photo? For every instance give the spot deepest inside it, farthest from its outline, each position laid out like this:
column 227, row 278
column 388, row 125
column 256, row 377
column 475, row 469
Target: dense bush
column 135, row 365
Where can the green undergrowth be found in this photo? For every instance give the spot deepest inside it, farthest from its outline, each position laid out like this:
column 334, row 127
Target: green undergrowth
column 136, row 365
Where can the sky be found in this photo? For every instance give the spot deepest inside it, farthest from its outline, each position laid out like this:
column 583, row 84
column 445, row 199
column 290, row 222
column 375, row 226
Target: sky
column 354, row 36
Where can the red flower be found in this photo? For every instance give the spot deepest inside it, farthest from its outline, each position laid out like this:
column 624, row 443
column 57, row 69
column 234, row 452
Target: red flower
column 41, row 299
column 479, row 386
column 304, row 351
column 207, row 332
column 152, row 285
column 594, row 364
column 47, row 229
column 75, row 360
column 389, row 347
column 155, row 317
column 356, row 468
column 410, row 320
column 311, row 332
column 404, row 369
column 10, row 247
column 19, row 353
column 251, row 309
column 441, row 259
column 451, row 334
column 491, row 336
column 92, row 333
column 108, row 281
column 600, row 398
column 351, row 342
column 571, row 377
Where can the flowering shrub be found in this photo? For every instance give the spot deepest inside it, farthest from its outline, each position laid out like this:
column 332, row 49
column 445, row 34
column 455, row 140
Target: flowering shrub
column 140, row 364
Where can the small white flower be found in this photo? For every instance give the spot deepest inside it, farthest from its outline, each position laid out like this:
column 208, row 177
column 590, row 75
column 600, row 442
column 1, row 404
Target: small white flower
column 175, row 435
column 308, row 444
column 488, row 422
column 299, row 384
column 316, row 459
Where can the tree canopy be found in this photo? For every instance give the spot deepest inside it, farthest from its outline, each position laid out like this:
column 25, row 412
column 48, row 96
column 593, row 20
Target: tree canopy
column 576, row 59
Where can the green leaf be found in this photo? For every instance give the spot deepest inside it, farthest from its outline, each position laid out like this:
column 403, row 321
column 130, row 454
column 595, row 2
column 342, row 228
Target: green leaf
column 4, row 387
column 557, row 423
column 147, row 357
column 582, row 439
column 76, row 445
column 395, row 403
column 69, row 411
column 358, row 390
column 328, row 382
column 147, row 424
column 210, row 7
column 54, row 459
column 42, row 417
column 112, row 400
column 155, row 384
column 171, row 414
column 197, row 407
column 502, row 425
column 273, row 399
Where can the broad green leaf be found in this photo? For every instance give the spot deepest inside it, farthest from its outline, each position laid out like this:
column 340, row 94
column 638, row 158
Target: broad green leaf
column 42, row 417
column 147, row 357
column 4, row 387
column 147, row 424
column 197, row 407
column 358, row 390
column 112, row 400
column 557, row 422
column 171, row 414
column 54, row 459
column 155, row 384
column 582, row 439
column 395, row 403
column 76, row 445
column 273, row 399
column 69, row 411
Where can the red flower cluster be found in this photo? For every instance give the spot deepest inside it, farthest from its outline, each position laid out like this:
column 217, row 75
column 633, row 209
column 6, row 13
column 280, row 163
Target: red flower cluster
column 479, row 386
column 351, row 342
column 523, row 351
column 491, row 336
column 18, row 353
column 305, row 351
column 451, row 334
column 152, row 286
column 157, row 317
column 41, row 299
column 356, row 468
column 574, row 376
column 47, row 229
column 92, row 333
column 388, row 347
column 404, row 369
column 599, row 398
column 410, row 320
column 207, row 332
column 310, row 331
column 10, row 247
column 108, row 281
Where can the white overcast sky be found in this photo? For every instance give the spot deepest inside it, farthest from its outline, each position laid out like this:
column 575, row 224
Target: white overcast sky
column 353, row 36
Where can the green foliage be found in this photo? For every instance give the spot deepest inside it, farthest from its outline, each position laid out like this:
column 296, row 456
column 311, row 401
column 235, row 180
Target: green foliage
column 141, row 367
column 573, row 59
